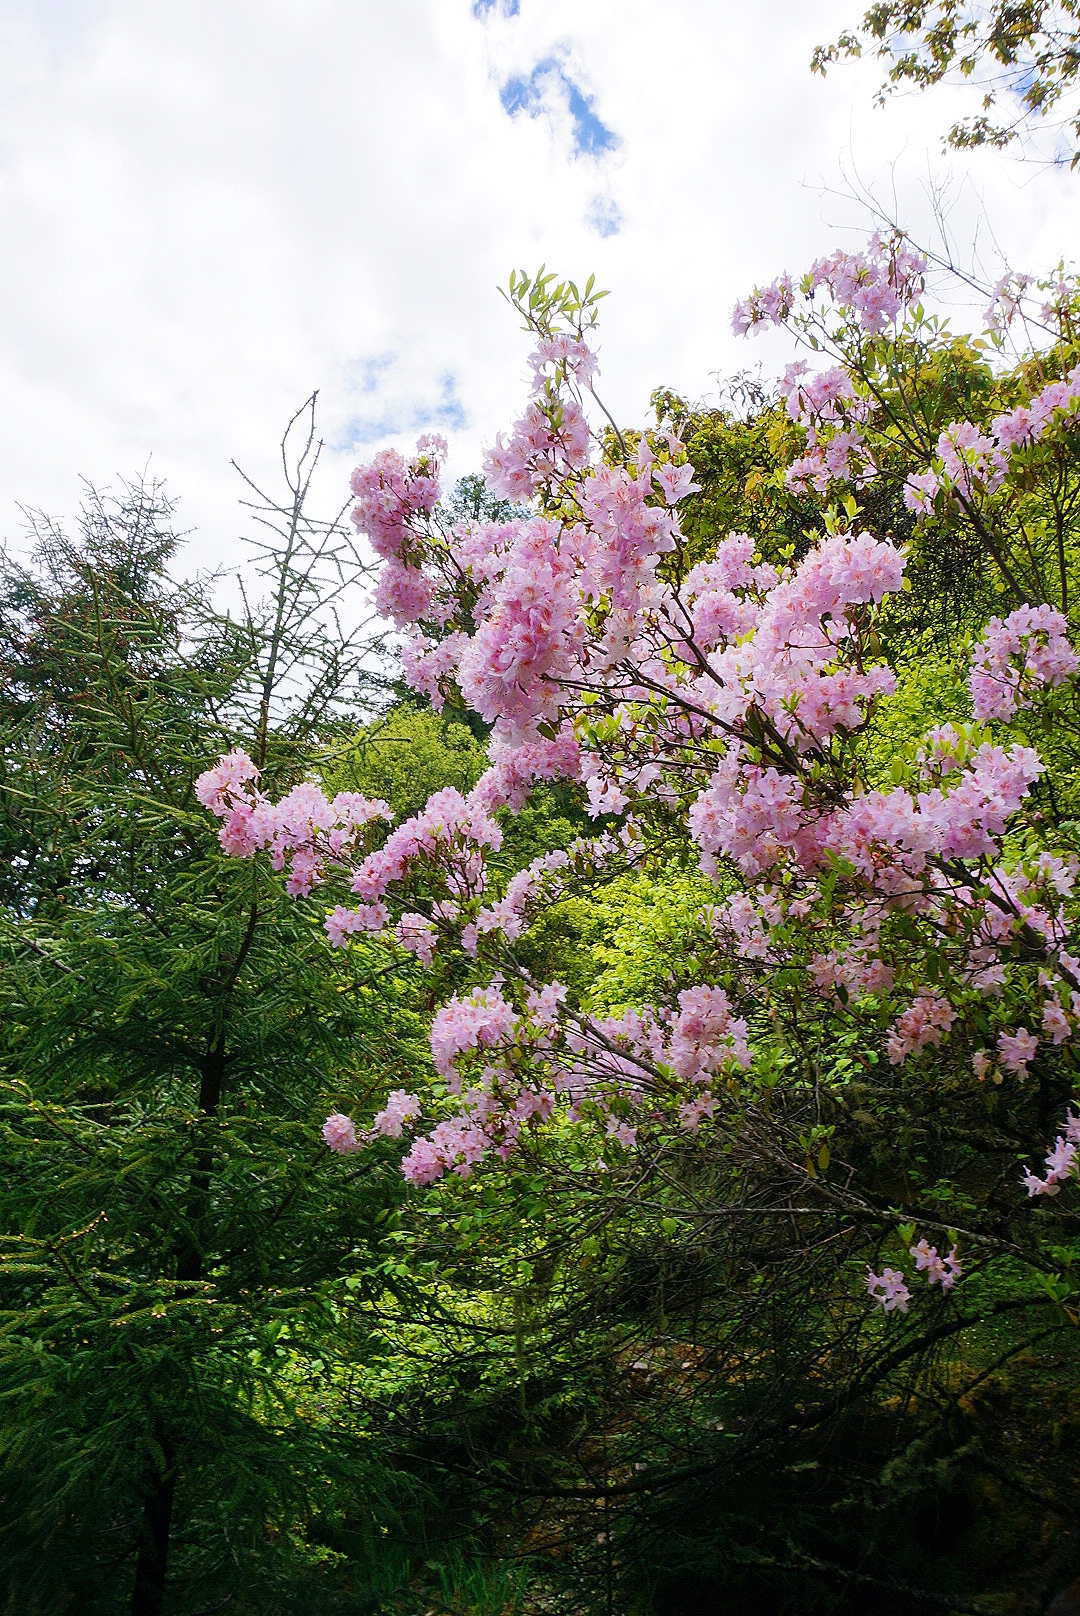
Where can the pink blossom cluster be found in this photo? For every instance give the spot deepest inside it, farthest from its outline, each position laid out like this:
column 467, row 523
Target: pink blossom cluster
column 453, row 1146
column 429, row 665
column 451, row 831
column 508, row 915
column 529, row 636
column 483, row 1030
column 924, row 1023
column 392, row 493
column 857, row 972
column 401, row 1108
column 483, row 1019
column 971, row 462
column 830, row 411
column 943, row 1271
column 552, row 439
column 305, row 828
column 547, row 442
column 539, row 584
column 608, row 1060
column 792, row 664
column 340, row 1134
column 874, row 287
column 1062, row 1163
column 1058, row 404
column 1061, row 1007
column 836, row 458
column 889, row 1288
column 747, row 922
column 564, row 354
column 704, row 1036
column 764, row 819
column 1059, row 304
column 516, row 770
column 768, row 305
column 1016, row 1050
column 1006, row 300
column 1027, row 652
column 695, row 1041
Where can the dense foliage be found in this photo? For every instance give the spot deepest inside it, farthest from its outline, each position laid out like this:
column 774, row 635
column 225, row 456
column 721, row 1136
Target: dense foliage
column 168, row 1019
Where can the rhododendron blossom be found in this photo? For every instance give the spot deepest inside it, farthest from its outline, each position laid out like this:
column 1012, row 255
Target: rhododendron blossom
column 400, row 1108
column 713, row 705
column 1062, row 1162
column 889, row 1289
column 872, row 287
column 1017, row 658
column 339, row 1133
column 943, row 1271
column 1017, row 1050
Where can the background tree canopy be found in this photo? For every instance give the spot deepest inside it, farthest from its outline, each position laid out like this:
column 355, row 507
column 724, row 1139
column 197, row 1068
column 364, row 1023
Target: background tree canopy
column 1024, row 59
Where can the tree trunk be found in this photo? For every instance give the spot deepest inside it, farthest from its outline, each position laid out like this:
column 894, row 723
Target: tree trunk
column 149, row 1591
column 160, row 1484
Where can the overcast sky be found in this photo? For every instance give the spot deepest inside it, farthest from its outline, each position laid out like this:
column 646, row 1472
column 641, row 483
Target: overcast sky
column 208, row 210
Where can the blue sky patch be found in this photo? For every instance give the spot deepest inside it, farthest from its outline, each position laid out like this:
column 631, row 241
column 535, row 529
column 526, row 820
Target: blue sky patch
column 604, row 216
column 505, row 8
column 549, row 81
column 365, row 375
column 401, row 414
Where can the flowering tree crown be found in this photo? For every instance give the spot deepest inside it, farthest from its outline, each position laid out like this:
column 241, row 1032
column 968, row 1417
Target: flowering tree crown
column 722, row 705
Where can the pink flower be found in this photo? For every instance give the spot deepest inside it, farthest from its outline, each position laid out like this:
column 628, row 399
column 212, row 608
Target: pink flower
column 403, row 593
column 770, row 306
column 392, row 490
column 1017, row 658
column 705, row 1036
column 1016, row 1050
column 400, row 1108
column 220, row 785
column 943, row 1271
column 676, row 482
column 342, row 923
column 1006, row 300
column 889, row 1289
column 481, row 1020
column 1062, row 1159
column 1056, row 1022
column 339, row 1133
column 920, row 491
column 417, row 934
column 1062, row 1162
column 692, row 1111
column 1029, row 422
column 923, row 1024
column 605, row 797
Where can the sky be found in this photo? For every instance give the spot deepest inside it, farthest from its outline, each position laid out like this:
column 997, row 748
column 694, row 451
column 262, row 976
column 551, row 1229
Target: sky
column 208, row 211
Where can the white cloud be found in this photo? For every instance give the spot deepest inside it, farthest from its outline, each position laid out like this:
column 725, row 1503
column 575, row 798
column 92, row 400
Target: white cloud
column 209, row 210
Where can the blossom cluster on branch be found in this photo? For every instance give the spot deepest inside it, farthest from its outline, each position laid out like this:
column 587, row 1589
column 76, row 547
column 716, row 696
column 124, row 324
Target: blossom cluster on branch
column 720, row 702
